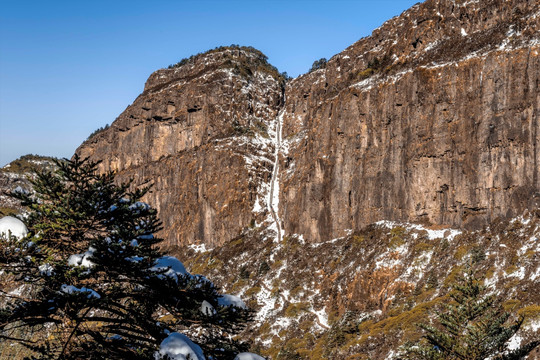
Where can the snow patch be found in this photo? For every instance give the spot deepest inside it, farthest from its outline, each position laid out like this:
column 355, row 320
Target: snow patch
column 534, row 325
column 520, row 274
column 46, row 269
column 264, row 297
column 448, row 234
column 11, row 226
column 179, row 347
column 333, row 241
column 231, row 300
column 82, row 259
column 18, row 291
column 171, row 267
column 200, row 248
column 514, row 342
column 322, row 316
column 70, row 289
column 431, row 45
column 248, row 356
column 207, row 308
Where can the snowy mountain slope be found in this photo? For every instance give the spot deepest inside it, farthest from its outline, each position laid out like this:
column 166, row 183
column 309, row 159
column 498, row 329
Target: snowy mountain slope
column 362, row 294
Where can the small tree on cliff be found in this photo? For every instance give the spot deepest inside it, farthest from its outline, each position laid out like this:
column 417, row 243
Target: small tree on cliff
column 318, row 64
column 98, row 285
column 473, row 326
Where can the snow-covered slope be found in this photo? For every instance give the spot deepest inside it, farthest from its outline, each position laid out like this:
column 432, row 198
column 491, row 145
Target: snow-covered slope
column 363, row 293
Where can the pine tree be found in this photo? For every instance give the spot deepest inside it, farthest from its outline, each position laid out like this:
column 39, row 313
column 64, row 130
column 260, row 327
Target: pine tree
column 473, row 326
column 99, row 287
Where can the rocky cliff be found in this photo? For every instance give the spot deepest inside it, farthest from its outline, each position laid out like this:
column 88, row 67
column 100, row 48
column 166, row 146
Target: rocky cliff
column 326, row 201
column 200, row 133
column 433, row 118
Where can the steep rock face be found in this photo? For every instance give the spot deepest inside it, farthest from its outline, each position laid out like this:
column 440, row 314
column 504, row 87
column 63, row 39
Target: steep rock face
column 199, row 132
column 434, row 118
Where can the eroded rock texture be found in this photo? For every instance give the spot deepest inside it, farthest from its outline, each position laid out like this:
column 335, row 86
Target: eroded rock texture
column 193, row 133
column 434, row 118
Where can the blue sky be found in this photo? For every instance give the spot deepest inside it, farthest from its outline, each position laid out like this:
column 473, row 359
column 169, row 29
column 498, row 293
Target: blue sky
column 69, row 67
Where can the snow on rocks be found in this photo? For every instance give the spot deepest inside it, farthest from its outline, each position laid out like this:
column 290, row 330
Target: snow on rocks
column 514, row 342
column 179, row 347
column 388, row 259
column 534, row 325
column 268, row 302
column 322, row 318
column 231, row 300
column 199, row 248
column 70, row 289
column 448, row 234
column 248, row 356
column 11, row 226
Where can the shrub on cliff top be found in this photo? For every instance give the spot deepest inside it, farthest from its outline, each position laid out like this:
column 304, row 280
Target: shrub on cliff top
column 318, row 64
column 97, row 131
column 243, row 67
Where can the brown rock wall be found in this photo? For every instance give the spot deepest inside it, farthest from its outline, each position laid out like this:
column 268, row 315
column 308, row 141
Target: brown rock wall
column 206, row 194
column 451, row 144
column 193, row 133
column 433, row 118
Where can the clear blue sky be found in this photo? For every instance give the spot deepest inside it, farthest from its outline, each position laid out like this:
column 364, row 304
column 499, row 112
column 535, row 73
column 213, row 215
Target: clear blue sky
column 69, row 67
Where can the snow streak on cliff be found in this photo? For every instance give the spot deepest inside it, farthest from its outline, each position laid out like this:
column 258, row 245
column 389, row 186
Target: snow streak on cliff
column 273, row 196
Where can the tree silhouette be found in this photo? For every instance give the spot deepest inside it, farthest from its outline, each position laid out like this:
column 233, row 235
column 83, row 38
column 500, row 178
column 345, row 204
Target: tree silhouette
column 97, row 285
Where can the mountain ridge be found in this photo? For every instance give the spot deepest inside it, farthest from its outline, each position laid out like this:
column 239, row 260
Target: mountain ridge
column 343, row 203
column 386, row 89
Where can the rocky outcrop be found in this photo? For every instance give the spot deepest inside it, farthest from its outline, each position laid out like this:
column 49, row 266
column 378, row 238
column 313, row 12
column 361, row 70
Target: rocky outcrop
column 17, row 176
column 199, row 133
column 434, row 118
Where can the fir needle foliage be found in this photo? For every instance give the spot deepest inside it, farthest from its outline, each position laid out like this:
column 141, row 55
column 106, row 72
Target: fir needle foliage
column 93, row 288
column 472, row 326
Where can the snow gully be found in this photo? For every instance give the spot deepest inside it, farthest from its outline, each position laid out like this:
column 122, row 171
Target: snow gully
column 273, row 196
